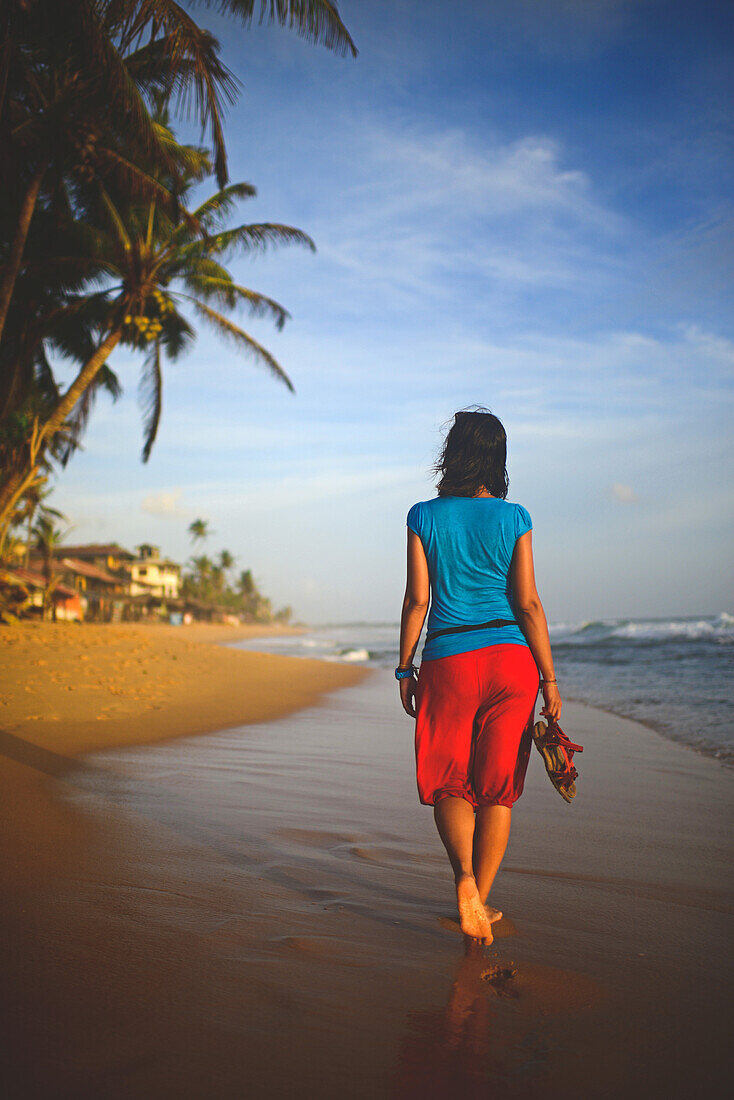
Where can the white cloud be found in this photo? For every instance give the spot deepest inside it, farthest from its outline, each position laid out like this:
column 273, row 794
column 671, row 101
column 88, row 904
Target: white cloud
column 496, row 178
column 434, row 207
column 164, row 503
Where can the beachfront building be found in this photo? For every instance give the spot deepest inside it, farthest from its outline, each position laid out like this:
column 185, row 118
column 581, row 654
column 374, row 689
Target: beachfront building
column 152, row 575
column 30, row 595
column 95, row 572
column 103, row 594
column 102, row 582
column 145, row 573
column 107, row 556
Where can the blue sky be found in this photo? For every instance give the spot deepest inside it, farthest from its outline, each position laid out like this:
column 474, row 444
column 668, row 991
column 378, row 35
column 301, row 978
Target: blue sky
column 523, row 205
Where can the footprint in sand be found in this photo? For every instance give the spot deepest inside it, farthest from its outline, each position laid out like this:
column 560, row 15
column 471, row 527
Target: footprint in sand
column 501, row 979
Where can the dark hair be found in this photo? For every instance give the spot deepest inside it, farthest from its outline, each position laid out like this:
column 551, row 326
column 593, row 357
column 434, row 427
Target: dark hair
column 473, row 456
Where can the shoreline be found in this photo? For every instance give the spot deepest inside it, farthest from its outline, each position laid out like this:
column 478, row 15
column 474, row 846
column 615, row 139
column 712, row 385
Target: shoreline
column 686, row 708
column 70, row 689
column 708, row 753
column 74, row 688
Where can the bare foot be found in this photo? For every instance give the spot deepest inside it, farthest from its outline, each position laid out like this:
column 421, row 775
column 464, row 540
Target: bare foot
column 472, row 914
column 492, row 913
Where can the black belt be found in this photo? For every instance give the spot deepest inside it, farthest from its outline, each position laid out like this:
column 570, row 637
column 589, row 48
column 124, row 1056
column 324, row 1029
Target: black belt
column 460, row 629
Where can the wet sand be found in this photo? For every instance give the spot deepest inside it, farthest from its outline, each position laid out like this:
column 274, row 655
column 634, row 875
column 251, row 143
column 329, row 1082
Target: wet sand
column 267, row 911
column 73, row 688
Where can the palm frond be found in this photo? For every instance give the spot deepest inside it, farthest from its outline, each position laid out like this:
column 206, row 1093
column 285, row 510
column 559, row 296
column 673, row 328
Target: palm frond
column 118, row 223
column 206, row 265
column 177, row 335
column 317, row 20
column 69, row 324
column 115, row 82
column 44, row 375
column 217, row 207
column 209, row 81
column 226, row 328
column 229, row 293
column 69, row 440
column 254, row 238
column 192, row 161
column 134, row 179
column 150, row 395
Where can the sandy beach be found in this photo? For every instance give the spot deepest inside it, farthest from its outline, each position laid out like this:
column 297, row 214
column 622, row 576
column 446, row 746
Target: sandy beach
column 260, row 906
column 68, row 689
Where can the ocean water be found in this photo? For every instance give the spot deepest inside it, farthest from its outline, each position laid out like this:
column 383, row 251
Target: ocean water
column 673, row 675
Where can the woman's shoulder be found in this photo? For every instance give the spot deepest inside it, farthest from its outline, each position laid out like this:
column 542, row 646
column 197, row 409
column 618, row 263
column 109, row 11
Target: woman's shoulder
column 521, row 517
column 415, row 516
column 423, row 513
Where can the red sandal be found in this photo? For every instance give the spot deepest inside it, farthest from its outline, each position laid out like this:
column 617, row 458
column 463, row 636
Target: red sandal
column 557, row 752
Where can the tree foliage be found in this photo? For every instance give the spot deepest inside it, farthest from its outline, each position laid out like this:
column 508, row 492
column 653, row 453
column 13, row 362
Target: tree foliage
column 98, row 243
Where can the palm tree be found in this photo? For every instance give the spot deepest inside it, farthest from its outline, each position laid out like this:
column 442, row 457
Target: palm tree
column 70, row 93
column 246, row 583
column 74, row 74
column 248, row 592
column 217, row 580
column 34, row 502
column 226, row 560
column 202, row 567
column 48, row 538
column 155, row 266
column 199, row 530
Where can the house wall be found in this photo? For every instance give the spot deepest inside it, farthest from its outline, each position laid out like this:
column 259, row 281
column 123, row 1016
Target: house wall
column 155, row 579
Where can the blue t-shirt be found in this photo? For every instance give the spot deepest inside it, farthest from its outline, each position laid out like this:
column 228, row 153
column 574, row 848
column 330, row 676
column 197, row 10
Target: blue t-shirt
column 468, row 543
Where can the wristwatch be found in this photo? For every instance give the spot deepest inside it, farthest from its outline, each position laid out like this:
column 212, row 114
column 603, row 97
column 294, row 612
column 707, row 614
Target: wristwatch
column 404, row 673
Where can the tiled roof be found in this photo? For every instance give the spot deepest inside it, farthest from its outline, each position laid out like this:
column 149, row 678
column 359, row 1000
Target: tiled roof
column 86, row 569
column 30, row 578
column 98, row 550
column 26, row 576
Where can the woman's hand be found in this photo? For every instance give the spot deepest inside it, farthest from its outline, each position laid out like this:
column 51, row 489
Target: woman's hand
column 552, row 702
column 407, row 695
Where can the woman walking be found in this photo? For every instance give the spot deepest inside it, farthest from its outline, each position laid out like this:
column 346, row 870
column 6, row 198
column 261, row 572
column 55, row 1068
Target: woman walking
column 486, row 653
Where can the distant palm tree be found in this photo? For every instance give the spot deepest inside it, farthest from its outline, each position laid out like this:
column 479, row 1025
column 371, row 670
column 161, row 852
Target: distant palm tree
column 246, row 583
column 34, row 502
column 249, row 595
column 47, row 540
column 202, row 567
column 226, row 560
column 199, row 530
column 217, row 579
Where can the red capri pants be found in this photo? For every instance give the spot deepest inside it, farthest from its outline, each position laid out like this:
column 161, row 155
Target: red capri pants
column 473, row 730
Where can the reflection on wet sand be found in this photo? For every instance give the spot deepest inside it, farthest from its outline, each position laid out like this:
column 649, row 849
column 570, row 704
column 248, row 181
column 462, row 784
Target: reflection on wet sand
column 491, row 1034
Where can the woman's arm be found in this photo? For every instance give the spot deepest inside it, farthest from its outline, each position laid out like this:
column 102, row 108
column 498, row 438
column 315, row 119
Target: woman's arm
column 531, row 618
column 415, row 606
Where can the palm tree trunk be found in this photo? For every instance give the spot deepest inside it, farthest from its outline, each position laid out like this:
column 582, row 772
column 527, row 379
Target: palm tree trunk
column 82, row 382
column 17, row 248
column 18, row 481
column 47, row 578
column 29, row 536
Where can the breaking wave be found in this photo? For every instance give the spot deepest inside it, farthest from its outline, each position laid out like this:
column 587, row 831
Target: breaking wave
column 717, row 628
